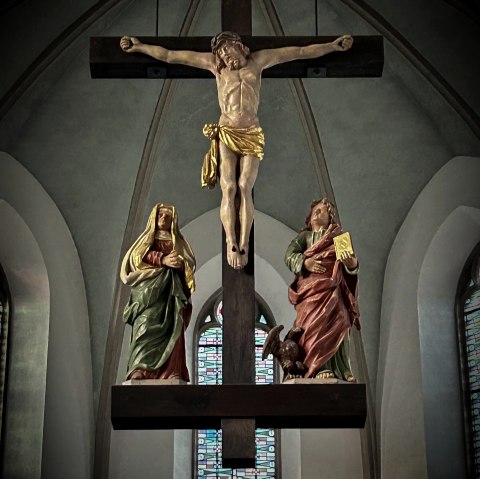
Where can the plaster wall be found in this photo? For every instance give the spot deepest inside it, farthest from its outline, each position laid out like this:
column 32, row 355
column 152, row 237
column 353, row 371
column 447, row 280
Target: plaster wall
column 49, row 19
column 421, row 436
column 50, row 390
column 442, row 391
column 442, row 32
column 28, row 332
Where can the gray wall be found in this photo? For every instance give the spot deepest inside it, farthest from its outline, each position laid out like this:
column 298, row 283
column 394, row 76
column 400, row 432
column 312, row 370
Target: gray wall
column 49, row 412
column 418, row 391
column 28, row 282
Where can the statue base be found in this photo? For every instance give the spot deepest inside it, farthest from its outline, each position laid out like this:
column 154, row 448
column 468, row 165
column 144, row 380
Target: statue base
column 153, row 382
column 316, row 381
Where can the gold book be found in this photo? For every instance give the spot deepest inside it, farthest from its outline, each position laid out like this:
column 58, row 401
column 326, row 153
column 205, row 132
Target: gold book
column 343, row 243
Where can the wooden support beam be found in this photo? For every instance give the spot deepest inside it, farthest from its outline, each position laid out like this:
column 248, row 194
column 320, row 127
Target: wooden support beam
column 238, row 352
column 239, row 449
column 271, row 406
column 365, row 59
column 237, row 16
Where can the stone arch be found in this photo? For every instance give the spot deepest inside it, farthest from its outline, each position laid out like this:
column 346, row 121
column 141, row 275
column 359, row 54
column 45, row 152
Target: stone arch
column 418, row 387
column 50, row 279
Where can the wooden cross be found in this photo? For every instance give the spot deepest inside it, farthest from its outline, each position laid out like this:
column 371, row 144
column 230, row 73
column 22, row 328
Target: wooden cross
column 238, row 406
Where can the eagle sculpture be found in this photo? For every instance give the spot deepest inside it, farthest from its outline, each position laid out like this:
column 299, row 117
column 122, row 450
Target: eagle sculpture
column 287, row 351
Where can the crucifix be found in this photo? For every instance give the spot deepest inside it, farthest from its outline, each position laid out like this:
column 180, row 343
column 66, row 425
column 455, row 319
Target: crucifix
column 238, row 406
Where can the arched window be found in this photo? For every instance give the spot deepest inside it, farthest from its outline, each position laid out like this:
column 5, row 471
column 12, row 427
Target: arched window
column 208, row 370
column 468, row 326
column 5, row 309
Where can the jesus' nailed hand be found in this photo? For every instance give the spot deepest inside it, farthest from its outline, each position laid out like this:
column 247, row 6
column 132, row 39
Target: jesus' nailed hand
column 237, row 138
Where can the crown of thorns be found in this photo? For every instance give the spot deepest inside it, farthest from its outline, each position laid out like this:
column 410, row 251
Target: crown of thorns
column 222, row 37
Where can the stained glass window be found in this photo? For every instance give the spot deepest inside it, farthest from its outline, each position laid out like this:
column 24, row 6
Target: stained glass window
column 208, row 456
column 4, row 325
column 469, row 335
column 472, row 344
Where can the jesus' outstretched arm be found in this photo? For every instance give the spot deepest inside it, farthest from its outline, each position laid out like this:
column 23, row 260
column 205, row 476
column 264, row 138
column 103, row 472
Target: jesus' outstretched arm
column 269, row 58
column 205, row 61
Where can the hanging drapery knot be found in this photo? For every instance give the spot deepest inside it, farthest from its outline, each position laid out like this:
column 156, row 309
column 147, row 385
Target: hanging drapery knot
column 210, row 130
column 210, row 171
column 242, row 141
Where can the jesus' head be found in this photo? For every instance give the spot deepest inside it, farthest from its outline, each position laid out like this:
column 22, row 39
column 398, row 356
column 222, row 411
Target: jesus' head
column 229, row 51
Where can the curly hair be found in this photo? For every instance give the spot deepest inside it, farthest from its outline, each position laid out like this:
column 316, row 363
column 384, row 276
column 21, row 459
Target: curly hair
column 331, row 212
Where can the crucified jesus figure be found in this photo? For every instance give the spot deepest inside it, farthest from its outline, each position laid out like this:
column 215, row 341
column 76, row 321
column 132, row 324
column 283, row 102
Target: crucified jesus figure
column 237, row 139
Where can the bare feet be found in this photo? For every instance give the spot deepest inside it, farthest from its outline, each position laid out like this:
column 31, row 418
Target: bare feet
column 138, row 375
column 325, row 374
column 232, row 253
column 351, row 379
column 237, row 257
column 243, row 255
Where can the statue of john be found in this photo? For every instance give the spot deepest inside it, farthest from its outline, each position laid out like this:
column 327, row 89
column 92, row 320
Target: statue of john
column 237, row 138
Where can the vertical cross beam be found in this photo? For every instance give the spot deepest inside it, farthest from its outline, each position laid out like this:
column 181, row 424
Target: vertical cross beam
column 238, row 435
column 237, row 16
column 239, row 318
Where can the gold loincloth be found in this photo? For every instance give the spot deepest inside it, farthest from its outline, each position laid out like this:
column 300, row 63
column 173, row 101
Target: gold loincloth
column 243, row 141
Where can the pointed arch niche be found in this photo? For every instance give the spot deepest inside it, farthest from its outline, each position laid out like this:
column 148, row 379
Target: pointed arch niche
column 468, row 329
column 419, row 388
column 49, row 413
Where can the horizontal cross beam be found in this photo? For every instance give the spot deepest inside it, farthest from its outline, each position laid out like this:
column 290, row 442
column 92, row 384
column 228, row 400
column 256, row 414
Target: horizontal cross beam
column 271, row 406
column 365, row 59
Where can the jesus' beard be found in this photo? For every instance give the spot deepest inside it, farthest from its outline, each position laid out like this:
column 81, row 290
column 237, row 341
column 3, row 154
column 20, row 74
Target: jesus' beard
column 232, row 63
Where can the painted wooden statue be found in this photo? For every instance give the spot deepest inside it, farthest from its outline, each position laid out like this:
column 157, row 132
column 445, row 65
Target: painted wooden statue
column 325, row 296
column 160, row 269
